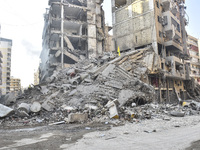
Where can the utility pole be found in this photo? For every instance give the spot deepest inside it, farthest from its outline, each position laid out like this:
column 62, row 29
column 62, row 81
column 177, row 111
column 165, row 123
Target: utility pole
column 62, row 34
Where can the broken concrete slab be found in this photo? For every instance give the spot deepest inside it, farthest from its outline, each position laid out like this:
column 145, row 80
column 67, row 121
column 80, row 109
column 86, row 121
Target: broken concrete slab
column 114, row 84
column 125, row 95
column 112, row 105
column 5, row 111
column 35, row 107
column 73, row 92
column 9, row 99
column 67, row 108
column 108, row 70
column 91, row 107
column 77, row 117
column 24, row 107
column 48, row 105
column 177, row 114
column 44, row 90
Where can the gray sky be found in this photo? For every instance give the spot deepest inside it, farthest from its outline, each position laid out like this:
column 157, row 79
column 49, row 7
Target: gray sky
column 22, row 21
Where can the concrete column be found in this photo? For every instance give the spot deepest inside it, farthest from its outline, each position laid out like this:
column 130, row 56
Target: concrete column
column 92, row 30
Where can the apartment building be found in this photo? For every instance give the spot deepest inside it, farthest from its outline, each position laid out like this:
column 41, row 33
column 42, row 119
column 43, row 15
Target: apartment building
column 5, row 48
column 161, row 24
column 73, row 29
column 1, row 56
column 15, row 85
column 194, row 61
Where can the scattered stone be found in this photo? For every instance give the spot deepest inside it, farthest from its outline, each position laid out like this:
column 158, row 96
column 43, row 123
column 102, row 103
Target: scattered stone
column 177, row 114
column 35, row 107
column 48, row 105
column 77, row 117
column 24, row 107
column 44, row 90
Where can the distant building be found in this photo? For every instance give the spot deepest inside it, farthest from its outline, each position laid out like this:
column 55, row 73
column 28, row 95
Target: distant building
column 1, row 56
column 194, row 58
column 15, row 85
column 36, row 77
column 5, row 48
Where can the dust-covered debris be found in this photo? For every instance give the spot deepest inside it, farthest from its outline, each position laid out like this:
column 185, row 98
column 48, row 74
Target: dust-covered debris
column 110, row 87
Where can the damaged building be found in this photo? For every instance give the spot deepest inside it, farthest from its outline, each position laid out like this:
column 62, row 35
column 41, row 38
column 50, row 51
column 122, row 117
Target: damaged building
column 73, row 29
column 160, row 23
column 194, row 61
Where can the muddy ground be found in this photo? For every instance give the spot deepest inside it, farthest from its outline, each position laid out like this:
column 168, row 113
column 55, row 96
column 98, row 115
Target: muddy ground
column 154, row 134
column 45, row 137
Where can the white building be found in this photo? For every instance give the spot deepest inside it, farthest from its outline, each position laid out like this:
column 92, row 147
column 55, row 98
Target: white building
column 5, row 48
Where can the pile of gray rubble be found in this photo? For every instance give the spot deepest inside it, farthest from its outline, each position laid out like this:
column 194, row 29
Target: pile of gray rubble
column 110, row 87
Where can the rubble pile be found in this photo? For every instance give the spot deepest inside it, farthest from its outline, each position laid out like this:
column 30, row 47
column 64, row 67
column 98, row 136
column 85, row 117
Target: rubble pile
column 110, row 87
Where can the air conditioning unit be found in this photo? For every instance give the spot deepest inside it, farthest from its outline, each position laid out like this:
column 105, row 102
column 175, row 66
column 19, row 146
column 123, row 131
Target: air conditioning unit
column 164, row 34
column 164, row 20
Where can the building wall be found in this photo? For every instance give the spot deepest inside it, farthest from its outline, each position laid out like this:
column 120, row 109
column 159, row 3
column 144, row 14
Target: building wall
column 1, row 56
column 36, row 77
column 194, row 61
column 15, row 85
column 134, row 23
column 5, row 48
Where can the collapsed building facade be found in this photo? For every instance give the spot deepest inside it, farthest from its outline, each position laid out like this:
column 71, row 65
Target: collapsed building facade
column 73, row 29
column 160, row 23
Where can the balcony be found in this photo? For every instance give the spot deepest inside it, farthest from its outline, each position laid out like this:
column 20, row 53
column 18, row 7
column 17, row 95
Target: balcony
column 53, row 1
column 172, row 23
column 173, row 45
column 76, row 2
column 166, row 4
column 175, row 67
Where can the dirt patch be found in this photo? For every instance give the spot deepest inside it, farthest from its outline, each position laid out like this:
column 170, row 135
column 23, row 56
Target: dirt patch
column 194, row 146
column 46, row 137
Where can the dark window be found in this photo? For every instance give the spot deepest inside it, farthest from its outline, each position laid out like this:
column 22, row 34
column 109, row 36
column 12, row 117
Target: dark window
column 159, row 19
column 160, row 34
column 157, row 4
column 136, row 39
column 162, row 65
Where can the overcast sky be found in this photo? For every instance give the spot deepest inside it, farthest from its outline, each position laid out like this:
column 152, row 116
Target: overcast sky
column 22, row 21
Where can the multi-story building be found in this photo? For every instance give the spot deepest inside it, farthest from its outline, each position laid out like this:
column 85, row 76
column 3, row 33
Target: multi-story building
column 194, row 61
column 15, row 85
column 1, row 56
column 73, row 28
column 160, row 23
column 36, row 77
column 5, row 48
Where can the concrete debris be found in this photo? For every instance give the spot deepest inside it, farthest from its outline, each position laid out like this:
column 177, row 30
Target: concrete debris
column 8, row 99
column 177, row 114
column 57, row 123
column 48, row 105
column 108, row 87
column 24, row 107
column 77, row 117
column 35, row 107
column 44, row 90
column 112, row 105
column 5, row 111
